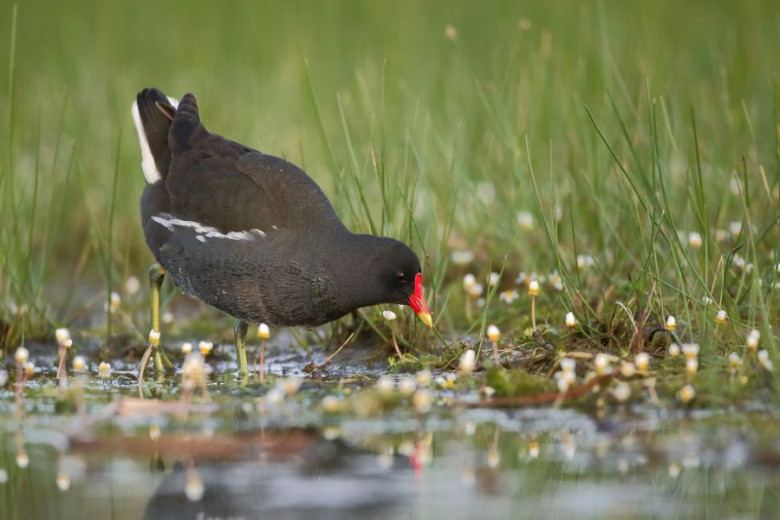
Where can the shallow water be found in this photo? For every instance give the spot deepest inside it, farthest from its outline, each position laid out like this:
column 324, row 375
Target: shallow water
column 244, row 455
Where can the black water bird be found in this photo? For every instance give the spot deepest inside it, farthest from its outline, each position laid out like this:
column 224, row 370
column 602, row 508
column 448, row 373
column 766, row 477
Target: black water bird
column 252, row 234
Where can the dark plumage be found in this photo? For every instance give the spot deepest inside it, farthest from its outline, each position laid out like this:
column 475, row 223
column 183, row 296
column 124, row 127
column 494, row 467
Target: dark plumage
column 252, row 234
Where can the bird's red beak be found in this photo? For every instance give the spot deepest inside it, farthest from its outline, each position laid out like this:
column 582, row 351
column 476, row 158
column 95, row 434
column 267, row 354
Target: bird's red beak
column 417, row 302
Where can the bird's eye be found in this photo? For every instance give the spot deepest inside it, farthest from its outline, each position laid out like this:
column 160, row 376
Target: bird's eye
column 401, row 277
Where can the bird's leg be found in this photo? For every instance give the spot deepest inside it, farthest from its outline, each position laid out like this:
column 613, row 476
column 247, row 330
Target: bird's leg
column 240, row 329
column 156, row 277
column 262, row 360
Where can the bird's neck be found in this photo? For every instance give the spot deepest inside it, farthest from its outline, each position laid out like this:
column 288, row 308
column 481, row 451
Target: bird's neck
column 355, row 280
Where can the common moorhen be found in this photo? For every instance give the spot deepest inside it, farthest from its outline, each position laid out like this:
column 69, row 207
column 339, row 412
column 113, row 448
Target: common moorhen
column 252, row 234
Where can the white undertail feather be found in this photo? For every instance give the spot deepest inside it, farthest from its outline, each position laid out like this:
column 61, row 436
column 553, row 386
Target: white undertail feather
column 173, row 101
column 151, row 172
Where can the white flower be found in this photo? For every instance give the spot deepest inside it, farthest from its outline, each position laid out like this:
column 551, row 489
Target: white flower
column 493, row 458
column 154, row 337
column 104, row 370
column 63, row 337
column 565, row 379
column 263, row 331
column 571, row 321
column 735, row 228
column 686, row 393
column 764, row 361
column 407, row 385
column 22, row 460
column 132, row 285
column 388, row 315
column 522, row 277
column 385, row 385
column 291, row 385
column 568, row 364
column 462, row 257
column 585, row 261
column 533, row 288
column 331, row 404
column 674, row 350
column 422, row 400
column 468, row 361
column 450, row 32
column 622, row 391
column 753, row 337
column 63, row 481
column 114, row 302
column 735, row 362
column 205, row 347
column 275, row 396
column 556, row 281
column 193, row 487
column 642, row 361
column 469, row 281
column 691, row 365
column 721, row 317
column 533, row 449
column 167, row 317
column 21, row 355
column 424, row 377
column 694, row 240
column 186, row 348
column 671, row 323
column 563, row 382
column 192, row 370
column 627, row 369
column 508, row 296
column 79, row 364
column 475, row 290
column 486, row 192
column 526, row 220
column 493, row 333
column 690, row 350
column 493, row 279
column 601, row 362
column 29, row 368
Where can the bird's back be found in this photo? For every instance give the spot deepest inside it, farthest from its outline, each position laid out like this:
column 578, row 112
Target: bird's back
column 246, row 232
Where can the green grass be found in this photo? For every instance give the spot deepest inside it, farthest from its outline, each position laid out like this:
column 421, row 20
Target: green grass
column 621, row 127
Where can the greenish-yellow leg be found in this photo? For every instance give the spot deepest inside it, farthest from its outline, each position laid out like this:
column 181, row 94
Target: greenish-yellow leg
column 240, row 329
column 156, row 277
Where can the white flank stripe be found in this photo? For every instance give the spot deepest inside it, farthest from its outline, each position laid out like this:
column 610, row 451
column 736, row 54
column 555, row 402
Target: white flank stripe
column 151, row 172
column 205, row 232
column 173, row 101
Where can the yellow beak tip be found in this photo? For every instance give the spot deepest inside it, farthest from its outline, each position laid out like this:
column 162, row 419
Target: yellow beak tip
column 426, row 318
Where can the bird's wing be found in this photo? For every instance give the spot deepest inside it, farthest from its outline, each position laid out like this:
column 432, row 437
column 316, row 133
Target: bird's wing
column 222, row 184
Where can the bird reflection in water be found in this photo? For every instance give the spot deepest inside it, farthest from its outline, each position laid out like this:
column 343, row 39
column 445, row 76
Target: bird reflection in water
column 287, row 474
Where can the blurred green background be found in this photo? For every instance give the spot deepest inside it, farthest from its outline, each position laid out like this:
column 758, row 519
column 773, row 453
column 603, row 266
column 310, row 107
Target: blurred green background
column 397, row 109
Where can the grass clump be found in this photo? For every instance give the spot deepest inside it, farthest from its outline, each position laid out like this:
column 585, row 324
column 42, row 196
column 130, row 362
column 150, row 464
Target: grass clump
column 624, row 160
column 517, row 382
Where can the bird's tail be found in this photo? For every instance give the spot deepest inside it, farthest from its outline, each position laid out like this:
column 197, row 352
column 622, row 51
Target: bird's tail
column 186, row 129
column 153, row 114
